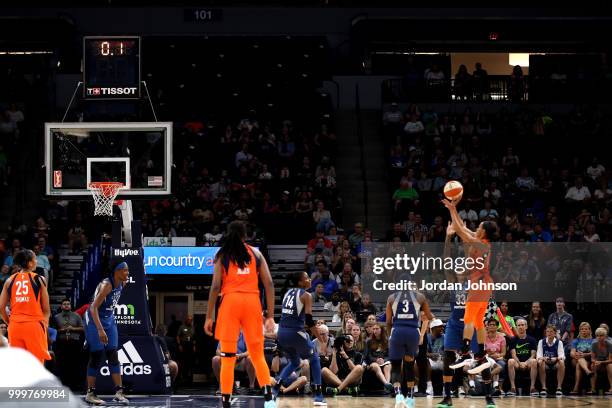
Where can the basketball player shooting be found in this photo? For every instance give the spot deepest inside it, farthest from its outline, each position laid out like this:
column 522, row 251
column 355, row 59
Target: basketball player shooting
column 238, row 268
column 477, row 246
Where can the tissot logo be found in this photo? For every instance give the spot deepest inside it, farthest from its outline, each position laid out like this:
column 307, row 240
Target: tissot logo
column 126, row 252
column 129, row 91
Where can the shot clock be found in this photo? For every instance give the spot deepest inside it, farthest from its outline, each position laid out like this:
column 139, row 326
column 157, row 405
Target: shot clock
column 111, row 67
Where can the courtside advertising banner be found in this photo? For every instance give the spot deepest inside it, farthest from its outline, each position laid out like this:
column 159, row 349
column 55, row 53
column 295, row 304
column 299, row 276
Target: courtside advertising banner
column 179, row 260
column 514, row 272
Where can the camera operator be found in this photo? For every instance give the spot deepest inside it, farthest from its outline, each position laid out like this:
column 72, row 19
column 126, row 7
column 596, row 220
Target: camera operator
column 346, row 368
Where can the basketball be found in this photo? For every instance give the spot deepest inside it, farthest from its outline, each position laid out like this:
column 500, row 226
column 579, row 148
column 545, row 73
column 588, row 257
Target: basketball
column 453, row 189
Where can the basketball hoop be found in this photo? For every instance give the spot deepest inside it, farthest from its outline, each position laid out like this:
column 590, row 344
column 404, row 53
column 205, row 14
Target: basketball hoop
column 104, row 194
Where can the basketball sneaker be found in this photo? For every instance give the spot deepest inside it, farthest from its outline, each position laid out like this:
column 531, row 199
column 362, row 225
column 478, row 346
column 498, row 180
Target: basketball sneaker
column 482, row 363
column 445, row 403
column 319, row 401
column 400, row 401
column 464, row 360
column 120, row 398
column 92, row 398
column 490, row 402
column 270, row 404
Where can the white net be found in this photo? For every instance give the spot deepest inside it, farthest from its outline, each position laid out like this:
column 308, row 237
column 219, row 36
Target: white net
column 104, row 195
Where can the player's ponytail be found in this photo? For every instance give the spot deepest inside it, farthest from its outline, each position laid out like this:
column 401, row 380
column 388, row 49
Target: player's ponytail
column 233, row 248
column 23, row 258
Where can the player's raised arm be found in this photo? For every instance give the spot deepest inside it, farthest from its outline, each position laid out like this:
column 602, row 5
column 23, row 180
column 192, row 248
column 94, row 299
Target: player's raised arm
column 213, row 294
column 464, row 232
column 450, row 232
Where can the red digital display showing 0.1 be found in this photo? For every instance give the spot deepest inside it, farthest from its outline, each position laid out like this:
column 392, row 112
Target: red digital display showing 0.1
column 111, row 67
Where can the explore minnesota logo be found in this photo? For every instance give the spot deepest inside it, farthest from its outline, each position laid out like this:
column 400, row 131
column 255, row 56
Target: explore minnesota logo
column 126, row 314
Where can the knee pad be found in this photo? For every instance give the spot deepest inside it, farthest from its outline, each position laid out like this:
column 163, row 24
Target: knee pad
column 396, row 371
column 449, row 359
column 96, row 358
column 113, row 361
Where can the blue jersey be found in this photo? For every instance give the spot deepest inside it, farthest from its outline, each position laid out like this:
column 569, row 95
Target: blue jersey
column 457, row 304
column 406, row 310
column 293, row 313
column 107, row 308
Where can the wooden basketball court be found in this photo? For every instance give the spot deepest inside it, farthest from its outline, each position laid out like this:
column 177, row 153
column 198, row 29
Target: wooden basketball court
column 208, row 401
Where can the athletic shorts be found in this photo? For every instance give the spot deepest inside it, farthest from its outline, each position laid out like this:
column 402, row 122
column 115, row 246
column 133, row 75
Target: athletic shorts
column 404, row 341
column 295, row 342
column 475, row 313
column 93, row 339
column 453, row 337
column 30, row 336
column 240, row 311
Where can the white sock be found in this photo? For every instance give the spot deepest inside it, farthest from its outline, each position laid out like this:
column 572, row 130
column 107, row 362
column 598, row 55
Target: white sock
column 472, row 383
column 495, row 384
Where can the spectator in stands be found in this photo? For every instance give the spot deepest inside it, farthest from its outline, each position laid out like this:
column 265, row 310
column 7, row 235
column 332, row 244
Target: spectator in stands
column 355, row 299
column 467, row 214
column 376, row 356
column 393, row 116
column 357, row 236
column 186, row 347
column 46, row 249
column 488, row 213
column 434, row 76
column 581, row 357
column 601, row 357
column 536, row 323
column 316, row 241
column 347, row 324
column 160, row 337
column 550, row 356
column 330, row 285
column 414, row 126
column 77, row 237
column 578, row 193
column 563, row 321
column 480, row 82
column 405, row 197
column 322, row 217
column 523, row 357
column 463, row 83
column 347, row 270
column 3, row 334
column 437, row 232
column 367, row 306
column 435, row 351
column 495, row 346
column 70, row 334
column 346, row 368
column 4, row 275
column 398, row 231
column 325, row 345
column 417, row 232
column 342, row 309
column 243, row 363
column 516, row 86
column 359, row 337
column 595, row 170
column 42, row 262
column 317, row 296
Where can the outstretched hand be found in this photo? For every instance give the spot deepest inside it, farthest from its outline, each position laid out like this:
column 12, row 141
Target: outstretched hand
column 450, row 229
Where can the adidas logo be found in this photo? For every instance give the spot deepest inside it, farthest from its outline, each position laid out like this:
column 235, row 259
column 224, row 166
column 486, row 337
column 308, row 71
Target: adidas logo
column 130, row 360
column 125, row 252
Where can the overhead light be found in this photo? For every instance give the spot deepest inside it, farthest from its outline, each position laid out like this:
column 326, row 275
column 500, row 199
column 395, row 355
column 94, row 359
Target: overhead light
column 26, row 52
column 521, row 60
